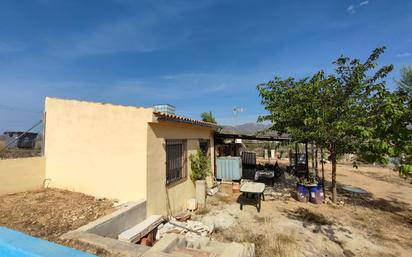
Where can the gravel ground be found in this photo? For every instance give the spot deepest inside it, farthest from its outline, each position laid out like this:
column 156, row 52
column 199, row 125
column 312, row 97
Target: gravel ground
column 52, row 212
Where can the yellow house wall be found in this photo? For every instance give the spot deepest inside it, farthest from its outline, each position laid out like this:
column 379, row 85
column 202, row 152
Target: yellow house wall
column 157, row 192
column 97, row 149
column 18, row 175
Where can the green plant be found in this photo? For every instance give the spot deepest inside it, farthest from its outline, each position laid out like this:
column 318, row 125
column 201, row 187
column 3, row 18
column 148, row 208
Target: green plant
column 341, row 112
column 200, row 165
column 405, row 170
column 405, row 82
column 208, row 117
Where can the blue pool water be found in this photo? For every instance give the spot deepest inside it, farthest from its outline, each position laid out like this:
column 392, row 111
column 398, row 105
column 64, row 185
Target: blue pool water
column 17, row 244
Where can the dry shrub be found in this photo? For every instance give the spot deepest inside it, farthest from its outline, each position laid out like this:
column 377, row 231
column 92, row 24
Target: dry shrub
column 268, row 242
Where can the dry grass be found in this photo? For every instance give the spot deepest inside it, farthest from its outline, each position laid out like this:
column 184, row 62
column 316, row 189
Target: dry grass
column 262, row 219
column 309, row 216
column 383, row 227
column 224, row 197
column 267, row 242
column 2, row 144
column 202, row 211
column 50, row 213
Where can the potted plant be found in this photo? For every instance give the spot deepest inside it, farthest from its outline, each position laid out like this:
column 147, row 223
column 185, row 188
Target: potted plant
column 200, row 167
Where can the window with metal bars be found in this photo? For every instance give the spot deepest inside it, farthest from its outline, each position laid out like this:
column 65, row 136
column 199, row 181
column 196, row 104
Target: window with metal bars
column 176, row 160
column 204, row 145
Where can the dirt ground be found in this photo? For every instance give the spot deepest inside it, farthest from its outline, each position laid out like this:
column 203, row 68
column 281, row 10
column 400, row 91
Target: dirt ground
column 50, row 213
column 378, row 224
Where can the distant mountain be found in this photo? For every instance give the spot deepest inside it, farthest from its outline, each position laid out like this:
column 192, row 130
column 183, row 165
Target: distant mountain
column 247, row 128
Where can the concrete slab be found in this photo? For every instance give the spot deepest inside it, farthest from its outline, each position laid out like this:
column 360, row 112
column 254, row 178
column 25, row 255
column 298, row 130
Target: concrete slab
column 134, row 234
column 166, row 244
column 111, row 245
column 173, row 245
column 115, row 223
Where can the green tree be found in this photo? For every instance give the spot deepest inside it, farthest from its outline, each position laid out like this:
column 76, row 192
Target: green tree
column 392, row 136
column 200, row 165
column 208, row 117
column 337, row 112
column 405, row 82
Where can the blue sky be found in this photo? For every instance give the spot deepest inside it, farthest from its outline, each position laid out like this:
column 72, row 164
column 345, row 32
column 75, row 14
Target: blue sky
column 196, row 55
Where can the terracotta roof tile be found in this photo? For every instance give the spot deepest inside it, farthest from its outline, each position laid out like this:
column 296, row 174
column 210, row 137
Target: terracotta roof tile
column 176, row 118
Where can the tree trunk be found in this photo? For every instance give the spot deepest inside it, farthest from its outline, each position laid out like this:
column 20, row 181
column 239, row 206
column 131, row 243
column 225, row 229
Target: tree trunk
column 334, row 191
column 316, row 162
column 323, row 173
column 312, row 151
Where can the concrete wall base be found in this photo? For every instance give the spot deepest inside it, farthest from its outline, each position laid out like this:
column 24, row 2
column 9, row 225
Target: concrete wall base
column 111, row 245
column 172, row 245
column 115, row 223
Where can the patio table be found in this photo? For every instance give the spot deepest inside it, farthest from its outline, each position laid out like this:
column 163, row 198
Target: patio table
column 255, row 190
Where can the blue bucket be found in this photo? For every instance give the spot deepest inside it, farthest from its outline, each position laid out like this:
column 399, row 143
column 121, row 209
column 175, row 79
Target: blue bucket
column 316, row 194
column 302, row 193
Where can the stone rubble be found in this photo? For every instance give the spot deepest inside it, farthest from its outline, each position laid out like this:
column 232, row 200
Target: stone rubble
column 195, row 229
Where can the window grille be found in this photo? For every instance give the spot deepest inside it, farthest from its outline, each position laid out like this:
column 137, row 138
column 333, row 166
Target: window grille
column 176, row 160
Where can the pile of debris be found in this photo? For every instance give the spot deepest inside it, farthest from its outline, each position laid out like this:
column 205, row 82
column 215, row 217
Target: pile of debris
column 188, row 228
column 277, row 193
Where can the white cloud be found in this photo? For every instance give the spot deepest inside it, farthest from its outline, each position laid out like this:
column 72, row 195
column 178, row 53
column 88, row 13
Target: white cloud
column 353, row 7
column 401, row 55
column 363, row 3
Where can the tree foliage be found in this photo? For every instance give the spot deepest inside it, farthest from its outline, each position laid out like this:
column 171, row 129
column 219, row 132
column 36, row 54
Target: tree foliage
column 340, row 112
column 208, row 117
column 405, row 82
column 200, row 165
column 402, row 135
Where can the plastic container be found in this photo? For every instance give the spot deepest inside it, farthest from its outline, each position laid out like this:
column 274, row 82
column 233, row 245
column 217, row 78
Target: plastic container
column 316, row 194
column 191, row 204
column 302, row 193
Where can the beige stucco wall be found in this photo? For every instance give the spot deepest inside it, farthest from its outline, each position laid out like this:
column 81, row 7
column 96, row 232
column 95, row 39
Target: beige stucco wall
column 18, row 175
column 157, row 192
column 98, row 149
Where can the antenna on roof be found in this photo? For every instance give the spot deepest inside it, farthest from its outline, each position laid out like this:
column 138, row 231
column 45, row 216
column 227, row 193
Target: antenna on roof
column 236, row 111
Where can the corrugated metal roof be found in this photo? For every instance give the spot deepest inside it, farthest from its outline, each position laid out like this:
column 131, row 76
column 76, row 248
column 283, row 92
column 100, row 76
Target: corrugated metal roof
column 175, row 118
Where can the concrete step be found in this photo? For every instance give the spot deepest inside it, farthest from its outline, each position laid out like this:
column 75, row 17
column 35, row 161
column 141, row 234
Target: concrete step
column 134, row 234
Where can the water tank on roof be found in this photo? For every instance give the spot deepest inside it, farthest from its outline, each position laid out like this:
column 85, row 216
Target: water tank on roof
column 165, row 108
